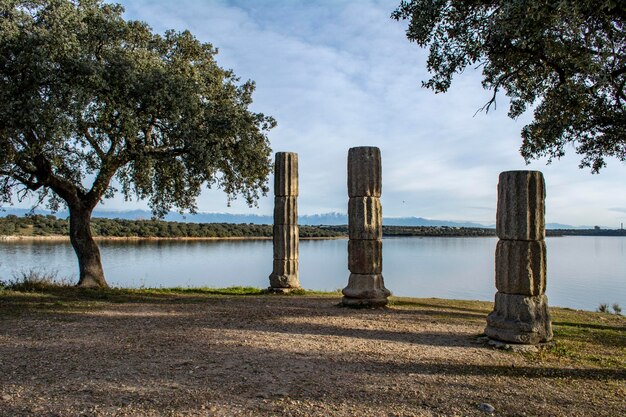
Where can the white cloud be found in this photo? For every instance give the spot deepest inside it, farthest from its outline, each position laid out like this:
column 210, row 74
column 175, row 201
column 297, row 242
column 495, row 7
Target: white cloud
column 337, row 74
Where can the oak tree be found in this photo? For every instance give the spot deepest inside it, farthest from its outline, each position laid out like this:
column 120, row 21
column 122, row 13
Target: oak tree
column 564, row 59
column 90, row 101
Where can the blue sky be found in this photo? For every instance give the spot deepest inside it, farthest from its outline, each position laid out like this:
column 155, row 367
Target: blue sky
column 337, row 74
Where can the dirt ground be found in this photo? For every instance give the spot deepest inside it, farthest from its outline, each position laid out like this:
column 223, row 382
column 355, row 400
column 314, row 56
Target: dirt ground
column 277, row 355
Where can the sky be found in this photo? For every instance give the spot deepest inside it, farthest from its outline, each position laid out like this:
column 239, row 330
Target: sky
column 341, row 73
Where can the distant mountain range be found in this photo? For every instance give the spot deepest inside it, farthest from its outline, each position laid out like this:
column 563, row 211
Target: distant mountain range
column 330, row 219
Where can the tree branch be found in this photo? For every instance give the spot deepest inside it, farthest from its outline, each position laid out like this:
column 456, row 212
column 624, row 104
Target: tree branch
column 164, row 152
column 94, row 144
column 538, row 54
column 619, row 93
column 64, row 188
column 101, row 183
column 27, row 182
column 148, row 131
column 110, row 164
column 496, row 87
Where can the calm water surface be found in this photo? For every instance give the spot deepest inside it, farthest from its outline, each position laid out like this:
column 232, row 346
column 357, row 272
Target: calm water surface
column 582, row 271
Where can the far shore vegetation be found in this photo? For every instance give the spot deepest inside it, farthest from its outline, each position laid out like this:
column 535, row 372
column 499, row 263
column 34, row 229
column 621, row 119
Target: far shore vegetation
column 50, row 225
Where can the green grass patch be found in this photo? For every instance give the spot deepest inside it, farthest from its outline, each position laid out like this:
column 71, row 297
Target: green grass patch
column 236, row 290
column 586, row 338
column 36, row 291
column 581, row 338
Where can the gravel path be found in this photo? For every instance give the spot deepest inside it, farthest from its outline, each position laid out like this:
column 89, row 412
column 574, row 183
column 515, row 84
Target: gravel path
column 293, row 356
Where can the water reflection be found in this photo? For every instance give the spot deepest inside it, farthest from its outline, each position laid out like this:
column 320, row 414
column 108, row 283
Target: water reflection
column 582, row 271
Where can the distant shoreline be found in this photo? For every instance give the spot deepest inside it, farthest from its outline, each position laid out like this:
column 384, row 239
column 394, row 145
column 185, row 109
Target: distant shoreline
column 63, row 238
column 51, row 229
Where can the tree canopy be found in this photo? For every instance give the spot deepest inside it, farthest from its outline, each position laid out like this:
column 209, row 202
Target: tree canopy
column 565, row 60
column 87, row 97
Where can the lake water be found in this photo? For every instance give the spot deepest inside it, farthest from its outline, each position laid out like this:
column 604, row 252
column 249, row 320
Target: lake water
column 582, row 271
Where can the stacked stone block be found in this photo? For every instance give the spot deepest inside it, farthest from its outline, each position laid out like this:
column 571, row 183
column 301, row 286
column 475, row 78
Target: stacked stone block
column 366, row 287
column 284, row 276
column 521, row 313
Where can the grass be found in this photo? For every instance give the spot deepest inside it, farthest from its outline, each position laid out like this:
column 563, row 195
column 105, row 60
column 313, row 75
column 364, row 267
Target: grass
column 586, row 338
column 581, row 338
column 44, row 290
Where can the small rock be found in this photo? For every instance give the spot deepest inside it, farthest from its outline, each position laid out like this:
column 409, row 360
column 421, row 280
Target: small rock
column 487, row 408
column 6, row 398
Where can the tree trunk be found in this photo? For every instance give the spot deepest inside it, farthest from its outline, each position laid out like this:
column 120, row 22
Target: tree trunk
column 89, row 263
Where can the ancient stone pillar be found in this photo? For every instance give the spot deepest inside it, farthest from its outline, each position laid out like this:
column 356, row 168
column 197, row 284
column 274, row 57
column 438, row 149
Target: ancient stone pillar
column 366, row 287
column 285, row 273
column 521, row 313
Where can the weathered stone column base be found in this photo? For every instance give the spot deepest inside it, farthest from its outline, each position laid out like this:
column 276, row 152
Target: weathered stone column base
column 520, row 319
column 365, row 291
column 515, row 347
column 280, row 290
column 285, row 274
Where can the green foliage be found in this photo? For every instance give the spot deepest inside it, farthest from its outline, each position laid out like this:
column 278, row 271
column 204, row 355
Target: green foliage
column 86, row 96
column 236, row 290
column 37, row 225
column 406, row 231
column 320, row 232
column 439, row 231
column 565, row 59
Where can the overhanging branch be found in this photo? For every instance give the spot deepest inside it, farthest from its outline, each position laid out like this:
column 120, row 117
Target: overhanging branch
column 27, row 182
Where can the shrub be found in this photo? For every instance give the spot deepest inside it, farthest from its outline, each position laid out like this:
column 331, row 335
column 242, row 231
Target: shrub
column 603, row 308
column 32, row 280
column 617, row 309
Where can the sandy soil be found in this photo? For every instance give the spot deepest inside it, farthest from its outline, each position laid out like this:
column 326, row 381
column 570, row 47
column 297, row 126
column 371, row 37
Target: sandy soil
column 293, row 356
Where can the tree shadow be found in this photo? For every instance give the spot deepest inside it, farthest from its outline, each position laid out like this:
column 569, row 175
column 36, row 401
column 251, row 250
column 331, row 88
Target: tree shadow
column 272, row 322
column 195, row 357
column 113, row 295
column 442, row 313
column 176, row 376
column 420, row 304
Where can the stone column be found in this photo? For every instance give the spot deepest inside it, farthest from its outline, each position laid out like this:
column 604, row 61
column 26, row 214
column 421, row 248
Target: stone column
column 285, row 274
column 366, row 287
column 521, row 313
